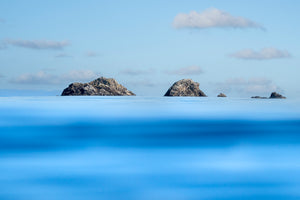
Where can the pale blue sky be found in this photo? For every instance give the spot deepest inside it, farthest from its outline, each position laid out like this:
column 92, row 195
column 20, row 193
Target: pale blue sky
column 45, row 45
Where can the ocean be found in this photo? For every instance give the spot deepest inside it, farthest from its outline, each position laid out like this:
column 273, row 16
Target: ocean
column 149, row 148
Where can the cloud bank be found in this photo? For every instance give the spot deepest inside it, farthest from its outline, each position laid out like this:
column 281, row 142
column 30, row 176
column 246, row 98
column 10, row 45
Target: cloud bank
column 38, row 44
column 45, row 78
column 263, row 54
column 248, row 87
column 191, row 70
column 212, row 17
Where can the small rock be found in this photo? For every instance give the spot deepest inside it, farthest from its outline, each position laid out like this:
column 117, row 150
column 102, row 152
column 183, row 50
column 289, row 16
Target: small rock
column 221, row 95
column 185, row 87
column 258, row 97
column 275, row 95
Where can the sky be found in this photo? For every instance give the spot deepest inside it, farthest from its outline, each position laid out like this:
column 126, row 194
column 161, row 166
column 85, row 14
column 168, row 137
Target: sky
column 240, row 48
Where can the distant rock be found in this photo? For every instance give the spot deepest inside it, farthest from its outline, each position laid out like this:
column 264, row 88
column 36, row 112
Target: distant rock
column 221, row 95
column 99, row 87
column 258, row 97
column 275, row 95
column 185, row 87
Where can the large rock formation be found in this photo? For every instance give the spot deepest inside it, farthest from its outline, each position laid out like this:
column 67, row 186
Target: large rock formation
column 185, row 87
column 99, row 87
column 275, row 95
column 221, row 95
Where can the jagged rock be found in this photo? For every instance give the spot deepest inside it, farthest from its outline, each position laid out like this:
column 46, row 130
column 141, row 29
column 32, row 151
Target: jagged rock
column 221, row 95
column 275, row 95
column 99, row 87
column 185, row 87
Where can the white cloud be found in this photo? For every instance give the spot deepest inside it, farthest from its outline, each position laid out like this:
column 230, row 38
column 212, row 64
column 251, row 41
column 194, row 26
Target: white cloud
column 38, row 44
column 80, row 75
column 191, row 70
column 136, row 72
column 141, row 83
column 45, row 78
column 37, row 78
column 63, row 55
column 212, row 17
column 91, row 54
column 263, row 54
column 3, row 46
column 248, row 87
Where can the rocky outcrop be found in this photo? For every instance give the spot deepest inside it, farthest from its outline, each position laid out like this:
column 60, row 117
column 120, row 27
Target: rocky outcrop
column 275, row 95
column 221, row 95
column 185, row 87
column 258, row 97
column 99, row 87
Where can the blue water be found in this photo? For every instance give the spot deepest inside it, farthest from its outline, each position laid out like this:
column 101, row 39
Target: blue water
column 79, row 148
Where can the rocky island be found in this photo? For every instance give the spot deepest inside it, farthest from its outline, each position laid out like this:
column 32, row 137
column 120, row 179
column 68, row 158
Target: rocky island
column 99, row 87
column 185, row 87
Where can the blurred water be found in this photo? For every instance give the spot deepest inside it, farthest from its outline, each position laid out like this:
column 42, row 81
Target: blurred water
column 149, row 148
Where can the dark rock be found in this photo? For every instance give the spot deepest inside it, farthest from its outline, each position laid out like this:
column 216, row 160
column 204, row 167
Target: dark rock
column 185, row 87
column 258, row 97
column 275, row 95
column 99, row 87
column 221, row 95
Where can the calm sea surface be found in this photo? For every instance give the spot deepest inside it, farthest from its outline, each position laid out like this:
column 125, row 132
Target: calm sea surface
column 165, row 148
